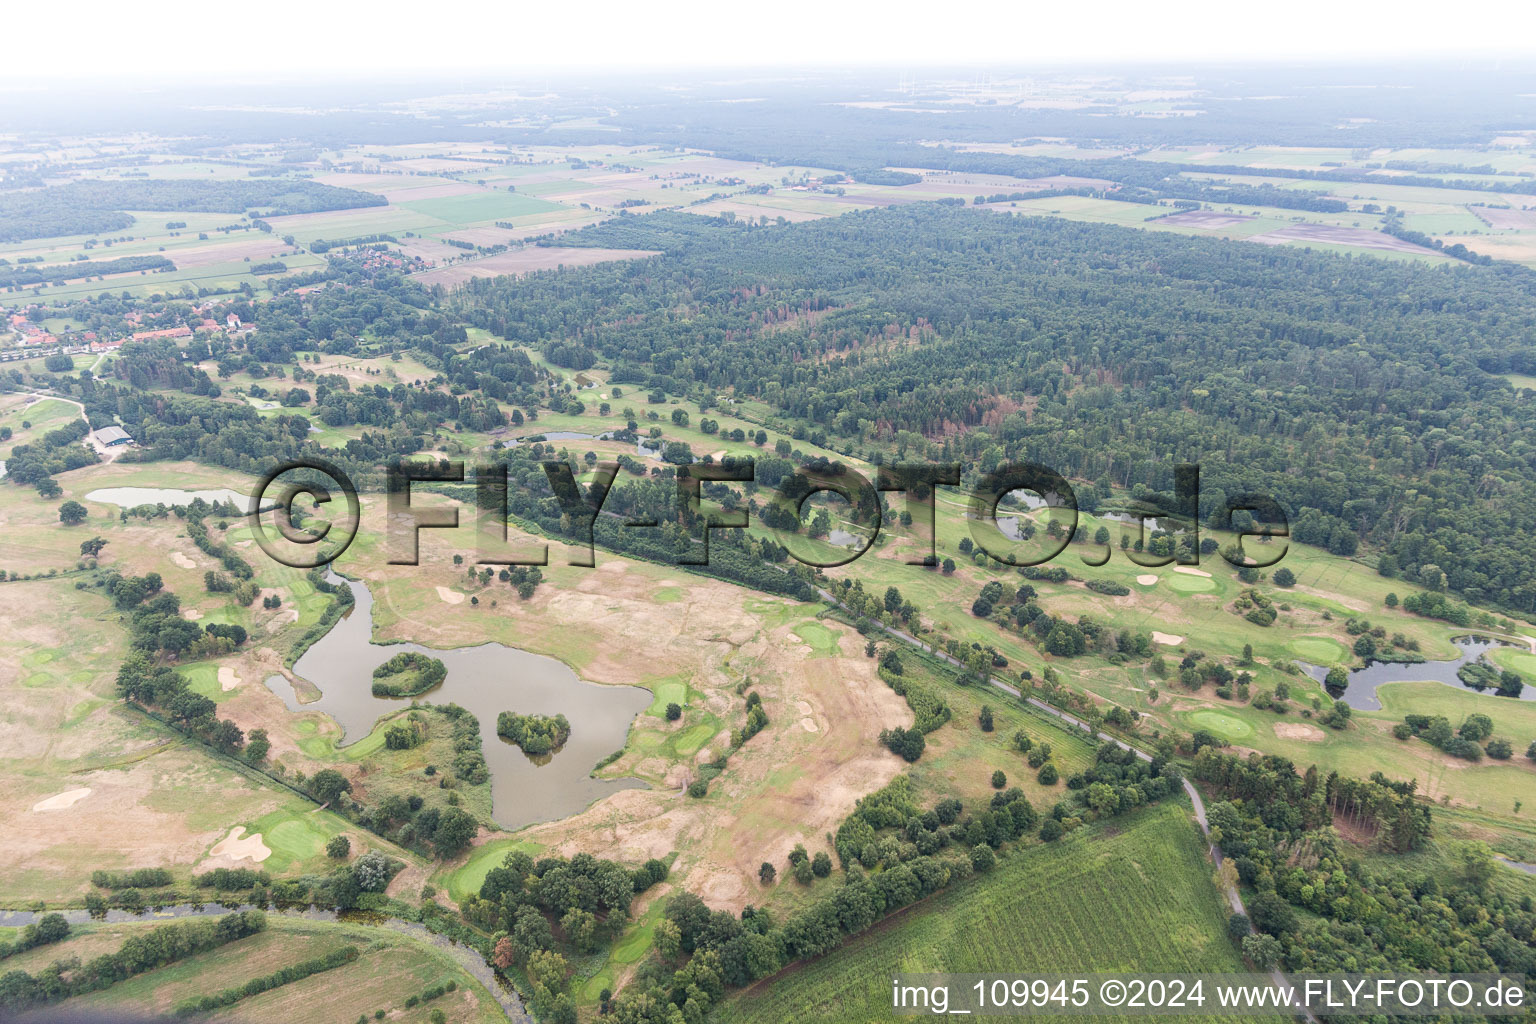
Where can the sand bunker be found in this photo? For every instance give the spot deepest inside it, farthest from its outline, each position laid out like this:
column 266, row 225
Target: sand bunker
column 1187, row 571
column 1146, row 579
column 1297, row 731
column 1166, row 638
column 68, row 798
column 191, row 614
column 809, row 725
column 182, row 560
column 227, row 678
column 450, row 596
column 804, row 706
column 235, row 848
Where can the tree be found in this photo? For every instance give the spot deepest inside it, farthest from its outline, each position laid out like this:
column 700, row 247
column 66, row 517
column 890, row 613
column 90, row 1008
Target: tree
column 1048, row 774
column 1238, row 928
column 1263, row 950
column 1391, row 600
column 668, row 938
column 256, row 745
column 982, row 858
column 1476, row 727
column 766, row 873
column 455, row 830
column 372, row 871
column 674, row 712
column 327, row 784
column 49, row 488
column 72, row 513
column 985, row 718
column 999, row 780
column 92, row 547
column 821, row 864
column 338, row 847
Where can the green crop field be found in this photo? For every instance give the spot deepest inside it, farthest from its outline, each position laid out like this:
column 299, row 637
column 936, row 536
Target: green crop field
column 476, row 209
column 1136, row 897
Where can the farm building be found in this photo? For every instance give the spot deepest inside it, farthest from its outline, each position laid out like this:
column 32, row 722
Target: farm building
column 111, row 437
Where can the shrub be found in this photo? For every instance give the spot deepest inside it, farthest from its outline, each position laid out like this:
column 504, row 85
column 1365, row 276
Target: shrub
column 407, row 675
column 536, row 734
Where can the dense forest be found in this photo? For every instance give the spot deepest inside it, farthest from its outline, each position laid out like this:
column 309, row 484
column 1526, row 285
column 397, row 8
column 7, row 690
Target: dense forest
column 1318, row 907
column 94, row 207
column 1358, row 392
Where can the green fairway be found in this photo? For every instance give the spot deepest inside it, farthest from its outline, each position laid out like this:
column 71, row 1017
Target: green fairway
column 1139, row 899
column 694, row 737
column 468, row 877
column 1523, row 662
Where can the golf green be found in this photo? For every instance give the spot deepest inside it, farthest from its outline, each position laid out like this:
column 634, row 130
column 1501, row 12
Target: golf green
column 1187, row 584
column 1222, row 724
column 1319, row 650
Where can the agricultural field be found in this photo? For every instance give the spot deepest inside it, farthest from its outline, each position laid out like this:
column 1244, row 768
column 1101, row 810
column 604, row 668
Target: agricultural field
column 390, row 969
column 1138, row 893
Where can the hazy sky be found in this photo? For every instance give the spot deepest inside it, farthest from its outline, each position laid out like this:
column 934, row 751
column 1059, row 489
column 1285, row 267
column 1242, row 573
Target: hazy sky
column 286, row 38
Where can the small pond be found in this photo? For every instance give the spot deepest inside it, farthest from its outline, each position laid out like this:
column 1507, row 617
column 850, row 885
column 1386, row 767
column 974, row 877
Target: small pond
column 1363, row 682
column 486, row 680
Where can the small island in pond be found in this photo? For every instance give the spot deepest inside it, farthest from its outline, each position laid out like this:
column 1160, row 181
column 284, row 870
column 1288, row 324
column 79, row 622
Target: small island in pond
column 408, row 674
column 536, row 734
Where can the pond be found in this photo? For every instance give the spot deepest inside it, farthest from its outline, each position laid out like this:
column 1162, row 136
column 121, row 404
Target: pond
column 133, row 497
column 1011, row 522
column 556, row 435
column 1363, row 682
column 485, row 680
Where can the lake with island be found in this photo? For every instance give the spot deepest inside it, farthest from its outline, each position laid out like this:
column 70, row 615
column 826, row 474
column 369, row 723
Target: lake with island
column 1364, row 682
column 486, row 680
